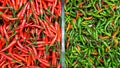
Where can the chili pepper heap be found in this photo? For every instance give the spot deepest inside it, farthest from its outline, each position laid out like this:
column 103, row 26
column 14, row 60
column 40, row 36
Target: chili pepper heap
column 30, row 33
column 92, row 33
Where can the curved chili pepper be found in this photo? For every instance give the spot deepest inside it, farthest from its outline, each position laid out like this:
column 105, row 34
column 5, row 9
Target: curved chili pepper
column 3, row 62
column 19, row 57
column 6, row 18
column 7, row 57
column 10, row 45
column 43, row 62
column 54, row 39
column 34, row 50
column 15, row 58
column 22, row 49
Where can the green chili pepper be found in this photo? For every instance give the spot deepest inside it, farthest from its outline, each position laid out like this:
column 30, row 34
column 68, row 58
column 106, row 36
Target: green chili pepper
column 87, row 33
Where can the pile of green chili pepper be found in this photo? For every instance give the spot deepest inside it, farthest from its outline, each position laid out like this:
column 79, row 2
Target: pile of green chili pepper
column 92, row 33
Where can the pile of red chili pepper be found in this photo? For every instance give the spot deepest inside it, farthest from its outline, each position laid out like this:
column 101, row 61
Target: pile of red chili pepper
column 30, row 33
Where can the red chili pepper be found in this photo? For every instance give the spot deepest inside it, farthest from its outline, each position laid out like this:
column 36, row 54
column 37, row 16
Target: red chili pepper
column 4, row 2
column 9, row 64
column 31, row 67
column 44, row 5
column 10, row 45
column 31, row 52
column 22, row 49
column 10, row 49
column 2, row 42
column 29, row 60
column 34, row 50
column 36, row 18
column 54, row 39
column 1, row 31
column 22, row 24
column 47, row 34
column 59, row 66
column 54, row 60
column 10, row 3
column 3, row 62
column 38, row 33
column 49, row 0
column 42, row 42
column 37, row 26
column 17, row 4
column 6, row 18
column 33, row 6
column 40, row 53
column 1, row 58
column 41, row 7
column 19, row 57
column 15, row 58
column 5, row 32
column 29, row 13
column 17, row 66
column 37, row 7
column 43, row 62
column 21, row 2
column 19, row 44
column 47, row 20
column 22, row 12
column 49, row 4
column 54, row 5
column 41, row 48
column 47, row 56
column 13, row 3
column 51, row 28
column 22, row 35
column 7, row 57
column 25, row 1
column 57, row 12
column 51, row 34
column 58, row 30
column 42, row 23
